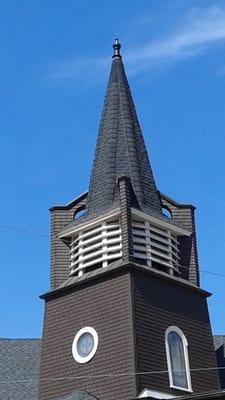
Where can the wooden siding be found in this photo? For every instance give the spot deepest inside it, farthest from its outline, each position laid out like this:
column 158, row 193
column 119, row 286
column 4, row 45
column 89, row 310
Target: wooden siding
column 159, row 304
column 184, row 216
column 60, row 252
column 106, row 306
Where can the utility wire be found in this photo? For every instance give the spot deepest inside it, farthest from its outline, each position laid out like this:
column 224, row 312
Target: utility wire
column 110, row 375
column 14, row 228
column 204, row 271
column 43, row 235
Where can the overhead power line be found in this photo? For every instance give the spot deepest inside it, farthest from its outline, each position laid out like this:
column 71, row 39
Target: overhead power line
column 204, row 271
column 44, row 235
column 109, row 375
column 14, row 228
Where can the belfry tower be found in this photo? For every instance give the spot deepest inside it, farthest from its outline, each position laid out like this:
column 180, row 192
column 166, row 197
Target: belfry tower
column 125, row 315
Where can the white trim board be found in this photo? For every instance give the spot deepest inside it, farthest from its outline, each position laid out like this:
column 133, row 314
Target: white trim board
column 159, row 222
column 155, row 395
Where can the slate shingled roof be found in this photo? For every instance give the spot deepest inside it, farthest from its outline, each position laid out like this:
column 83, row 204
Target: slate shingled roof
column 120, row 150
column 19, row 369
column 219, row 341
column 219, row 345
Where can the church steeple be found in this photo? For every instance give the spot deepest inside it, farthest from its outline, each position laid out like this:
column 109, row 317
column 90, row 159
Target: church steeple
column 124, row 305
column 124, row 220
column 120, row 149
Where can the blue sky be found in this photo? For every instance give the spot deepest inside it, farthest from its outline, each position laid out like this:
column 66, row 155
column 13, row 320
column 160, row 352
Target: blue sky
column 55, row 60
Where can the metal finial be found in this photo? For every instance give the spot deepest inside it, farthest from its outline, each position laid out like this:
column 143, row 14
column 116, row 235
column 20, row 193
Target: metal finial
column 116, row 48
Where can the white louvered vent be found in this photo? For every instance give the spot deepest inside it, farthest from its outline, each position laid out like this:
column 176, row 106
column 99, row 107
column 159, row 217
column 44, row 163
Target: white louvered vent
column 155, row 246
column 95, row 247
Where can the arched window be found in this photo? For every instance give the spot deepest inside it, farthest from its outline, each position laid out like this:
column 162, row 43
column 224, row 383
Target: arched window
column 177, row 359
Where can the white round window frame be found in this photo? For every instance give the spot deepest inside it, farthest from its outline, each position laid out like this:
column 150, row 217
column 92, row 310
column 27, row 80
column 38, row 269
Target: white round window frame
column 76, row 355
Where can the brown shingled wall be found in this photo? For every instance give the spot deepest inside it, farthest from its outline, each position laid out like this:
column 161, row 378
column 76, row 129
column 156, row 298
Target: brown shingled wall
column 159, row 304
column 106, row 306
column 184, row 216
column 59, row 258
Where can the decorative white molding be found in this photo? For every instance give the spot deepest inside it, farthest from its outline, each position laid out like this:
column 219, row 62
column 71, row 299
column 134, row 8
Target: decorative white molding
column 77, row 228
column 155, row 243
column 76, row 355
column 161, row 223
column 153, row 394
column 186, row 358
column 96, row 244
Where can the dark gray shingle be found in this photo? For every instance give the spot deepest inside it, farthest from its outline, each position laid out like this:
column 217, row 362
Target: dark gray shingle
column 219, row 345
column 120, row 150
column 19, row 369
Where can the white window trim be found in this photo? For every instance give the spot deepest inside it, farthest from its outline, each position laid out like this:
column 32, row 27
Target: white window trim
column 76, row 356
column 186, row 358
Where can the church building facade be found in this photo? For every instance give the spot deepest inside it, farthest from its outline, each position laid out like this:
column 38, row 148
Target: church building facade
column 125, row 316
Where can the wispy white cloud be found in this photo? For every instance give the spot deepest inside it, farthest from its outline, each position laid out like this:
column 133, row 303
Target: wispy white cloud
column 199, row 30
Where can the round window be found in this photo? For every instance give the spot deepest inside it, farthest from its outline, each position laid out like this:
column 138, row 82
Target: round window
column 85, row 345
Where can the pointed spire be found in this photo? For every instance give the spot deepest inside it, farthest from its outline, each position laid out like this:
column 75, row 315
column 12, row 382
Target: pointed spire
column 120, row 149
